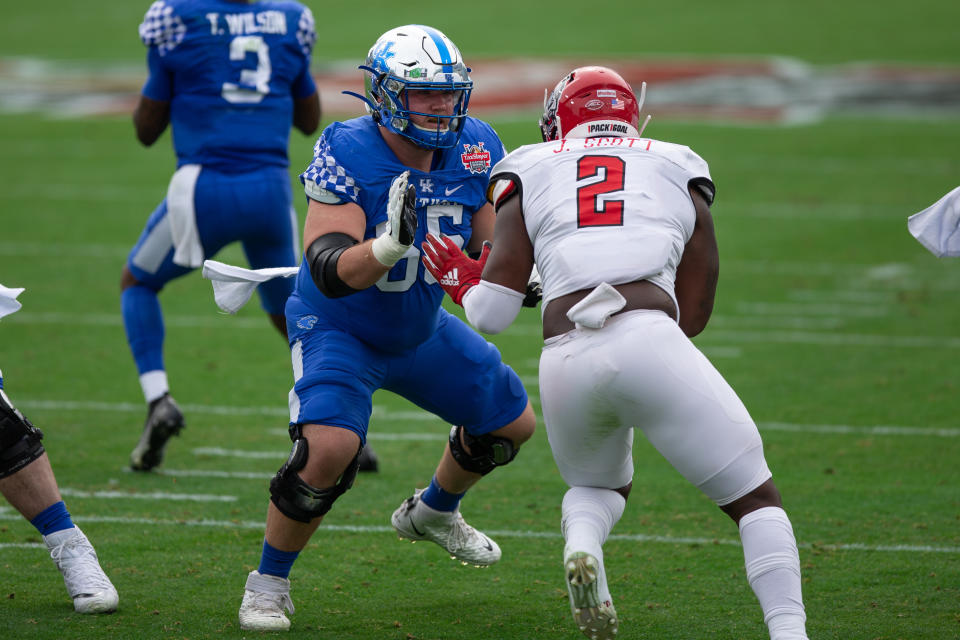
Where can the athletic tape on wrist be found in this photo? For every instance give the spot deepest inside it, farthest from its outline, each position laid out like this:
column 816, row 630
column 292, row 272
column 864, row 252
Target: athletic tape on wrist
column 387, row 250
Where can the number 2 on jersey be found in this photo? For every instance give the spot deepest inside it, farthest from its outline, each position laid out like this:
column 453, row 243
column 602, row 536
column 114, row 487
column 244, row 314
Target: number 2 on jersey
column 591, row 210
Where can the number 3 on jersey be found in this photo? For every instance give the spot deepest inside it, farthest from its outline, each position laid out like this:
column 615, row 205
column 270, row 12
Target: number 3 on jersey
column 254, row 83
column 591, row 210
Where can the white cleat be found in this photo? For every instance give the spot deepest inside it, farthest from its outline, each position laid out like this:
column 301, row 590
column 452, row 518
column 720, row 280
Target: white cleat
column 415, row 521
column 597, row 620
column 264, row 599
column 87, row 584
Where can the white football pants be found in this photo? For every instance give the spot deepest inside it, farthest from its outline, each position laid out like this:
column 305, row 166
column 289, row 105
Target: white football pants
column 640, row 371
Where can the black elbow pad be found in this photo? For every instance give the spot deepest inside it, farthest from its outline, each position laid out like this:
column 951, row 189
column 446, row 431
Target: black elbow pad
column 322, row 256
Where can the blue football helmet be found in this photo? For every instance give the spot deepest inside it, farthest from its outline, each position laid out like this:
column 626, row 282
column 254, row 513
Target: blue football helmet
column 422, row 58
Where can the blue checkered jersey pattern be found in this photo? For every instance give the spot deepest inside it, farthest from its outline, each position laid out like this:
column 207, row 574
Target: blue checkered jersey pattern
column 352, row 161
column 231, row 72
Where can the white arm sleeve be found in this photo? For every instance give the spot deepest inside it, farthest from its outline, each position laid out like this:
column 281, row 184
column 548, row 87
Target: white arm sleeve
column 491, row 307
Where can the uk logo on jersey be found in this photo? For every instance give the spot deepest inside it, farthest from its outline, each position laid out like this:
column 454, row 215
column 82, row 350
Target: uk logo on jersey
column 475, row 158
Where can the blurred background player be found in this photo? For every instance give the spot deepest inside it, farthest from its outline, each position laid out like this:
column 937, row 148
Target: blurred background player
column 365, row 315
column 621, row 232
column 230, row 78
column 28, row 483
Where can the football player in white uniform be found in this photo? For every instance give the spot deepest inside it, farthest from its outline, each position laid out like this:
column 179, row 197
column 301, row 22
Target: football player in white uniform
column 620, row 229
column 28, row 483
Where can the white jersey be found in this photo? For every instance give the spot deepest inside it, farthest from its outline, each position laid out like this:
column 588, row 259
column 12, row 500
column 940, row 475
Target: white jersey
column 611, row 210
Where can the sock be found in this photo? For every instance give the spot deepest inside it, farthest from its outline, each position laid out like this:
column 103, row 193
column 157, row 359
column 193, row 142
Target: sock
column 437, row 498
column 154, row 385
column 52, row 519
column 773, row 571
column 274, row 562
column 589, row 515
column 143, row 321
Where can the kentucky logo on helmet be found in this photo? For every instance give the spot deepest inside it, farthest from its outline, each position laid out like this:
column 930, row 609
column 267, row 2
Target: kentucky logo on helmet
column 475, row 158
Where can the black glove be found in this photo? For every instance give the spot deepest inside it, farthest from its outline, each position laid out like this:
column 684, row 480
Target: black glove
column 534, row 289
column 408, row 217
column 534, row 294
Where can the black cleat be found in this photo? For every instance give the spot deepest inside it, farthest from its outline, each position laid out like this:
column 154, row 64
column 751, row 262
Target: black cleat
column 368, row 459
column 164, row 420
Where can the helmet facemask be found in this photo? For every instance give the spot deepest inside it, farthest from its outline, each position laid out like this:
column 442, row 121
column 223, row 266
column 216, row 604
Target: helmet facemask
column 549, row 125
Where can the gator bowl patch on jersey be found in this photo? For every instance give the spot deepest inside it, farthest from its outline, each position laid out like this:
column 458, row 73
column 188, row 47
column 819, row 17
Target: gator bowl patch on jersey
column 475, row 158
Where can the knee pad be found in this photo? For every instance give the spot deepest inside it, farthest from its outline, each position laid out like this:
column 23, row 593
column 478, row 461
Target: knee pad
column 486, row 451
column 19, row 439
column 295, row 498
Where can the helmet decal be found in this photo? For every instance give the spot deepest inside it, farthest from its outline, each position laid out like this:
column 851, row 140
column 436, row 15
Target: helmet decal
column 438, row 41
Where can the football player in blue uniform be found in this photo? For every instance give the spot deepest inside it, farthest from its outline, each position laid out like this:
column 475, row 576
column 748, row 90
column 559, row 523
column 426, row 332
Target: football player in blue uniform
column 365, row 314
column 28, row 483
column 229, row 78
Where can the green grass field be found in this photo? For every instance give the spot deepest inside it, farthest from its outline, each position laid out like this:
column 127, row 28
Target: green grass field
column 838, row 330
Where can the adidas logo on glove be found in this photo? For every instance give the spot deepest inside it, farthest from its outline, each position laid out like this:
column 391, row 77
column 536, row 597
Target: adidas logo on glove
column 455, row 272
column 451, row 278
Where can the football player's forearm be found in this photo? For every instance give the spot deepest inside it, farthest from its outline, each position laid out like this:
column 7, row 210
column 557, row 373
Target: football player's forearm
column 306, row 113
column 696, row 291
column 359, row 268
column 490, row 307
column 150, row 119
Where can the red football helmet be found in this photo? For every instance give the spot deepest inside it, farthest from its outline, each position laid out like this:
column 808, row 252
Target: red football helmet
column 591, row 101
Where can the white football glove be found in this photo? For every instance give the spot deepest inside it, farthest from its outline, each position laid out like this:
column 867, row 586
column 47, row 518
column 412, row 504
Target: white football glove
column 401, row 229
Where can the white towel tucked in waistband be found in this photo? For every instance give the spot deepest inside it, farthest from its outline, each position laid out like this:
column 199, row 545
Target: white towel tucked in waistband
column 181, row 211
column 938, row 227
column 233, row 286
column 601, row 303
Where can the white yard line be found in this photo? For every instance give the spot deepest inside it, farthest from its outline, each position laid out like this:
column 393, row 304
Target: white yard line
column 812, row 309
column 759, row 336
column 804, row 323
column 834, row 339
column 153, row 495
column 109, row 251
column 417, row 415
column 218, row 452
column 215, row 320
column 879, row 430
column 827, row 211
column 769, row 318
column 501, row 533
column 208, row 473
column 842, row 295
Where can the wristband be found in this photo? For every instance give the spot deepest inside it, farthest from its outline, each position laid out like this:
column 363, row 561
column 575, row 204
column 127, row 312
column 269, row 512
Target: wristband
column 387, row 250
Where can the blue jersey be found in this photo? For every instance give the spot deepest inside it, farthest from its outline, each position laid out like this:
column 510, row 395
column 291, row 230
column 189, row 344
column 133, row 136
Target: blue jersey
column 231, row 72
column 352, row 160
